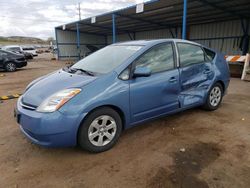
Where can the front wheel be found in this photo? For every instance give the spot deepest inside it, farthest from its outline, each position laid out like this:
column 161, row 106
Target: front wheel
column 214, row 97
column 10, row 67
column 100, row 130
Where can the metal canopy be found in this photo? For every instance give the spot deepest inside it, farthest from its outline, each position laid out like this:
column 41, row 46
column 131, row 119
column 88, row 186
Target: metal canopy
column 160, row 14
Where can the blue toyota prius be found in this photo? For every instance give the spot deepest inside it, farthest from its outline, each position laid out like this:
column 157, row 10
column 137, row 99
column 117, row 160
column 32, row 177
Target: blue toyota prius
column 90, row 103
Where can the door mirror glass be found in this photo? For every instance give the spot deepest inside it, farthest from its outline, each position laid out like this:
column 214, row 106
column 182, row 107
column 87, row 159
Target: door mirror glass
column 142, row 72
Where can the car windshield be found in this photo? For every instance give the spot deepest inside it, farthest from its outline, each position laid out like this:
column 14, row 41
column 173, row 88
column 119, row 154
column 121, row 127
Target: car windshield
column 14, row 49
column 7, row 52
column 106, row 59
column 28, row 48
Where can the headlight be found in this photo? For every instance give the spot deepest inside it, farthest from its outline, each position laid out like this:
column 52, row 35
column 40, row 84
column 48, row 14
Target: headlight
column 57, row 100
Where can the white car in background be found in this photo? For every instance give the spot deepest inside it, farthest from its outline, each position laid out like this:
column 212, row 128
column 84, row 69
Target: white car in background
column 30, row 49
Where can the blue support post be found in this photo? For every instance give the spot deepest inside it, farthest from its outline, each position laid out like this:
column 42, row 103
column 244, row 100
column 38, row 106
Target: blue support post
column 78, row 40
column 184, row 19
column 114, row 28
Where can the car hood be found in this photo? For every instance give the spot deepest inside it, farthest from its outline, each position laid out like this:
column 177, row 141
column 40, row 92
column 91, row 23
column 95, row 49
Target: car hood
column 46, row 86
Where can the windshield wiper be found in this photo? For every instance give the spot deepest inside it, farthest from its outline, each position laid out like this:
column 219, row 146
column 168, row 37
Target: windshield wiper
column 82, row 70
column 87, row 72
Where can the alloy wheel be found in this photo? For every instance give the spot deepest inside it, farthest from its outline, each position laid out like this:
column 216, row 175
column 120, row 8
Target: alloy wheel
column 11, row 67
column 215, row 96
column 102, row 130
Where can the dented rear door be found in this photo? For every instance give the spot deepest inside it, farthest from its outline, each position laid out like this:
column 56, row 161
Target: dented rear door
column 196, row 74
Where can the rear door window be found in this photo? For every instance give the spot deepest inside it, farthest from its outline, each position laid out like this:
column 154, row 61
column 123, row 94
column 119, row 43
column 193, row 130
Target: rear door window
column 190, row 54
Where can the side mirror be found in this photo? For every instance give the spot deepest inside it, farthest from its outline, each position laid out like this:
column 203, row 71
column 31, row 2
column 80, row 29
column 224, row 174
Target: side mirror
column 142, row 72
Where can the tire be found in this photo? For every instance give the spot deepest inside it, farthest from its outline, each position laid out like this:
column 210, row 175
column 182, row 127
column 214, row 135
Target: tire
column 10, row 67
column 100, row 130
column 214, row 97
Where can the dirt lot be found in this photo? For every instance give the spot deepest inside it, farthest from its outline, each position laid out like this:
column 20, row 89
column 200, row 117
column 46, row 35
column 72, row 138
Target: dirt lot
column 217, row 147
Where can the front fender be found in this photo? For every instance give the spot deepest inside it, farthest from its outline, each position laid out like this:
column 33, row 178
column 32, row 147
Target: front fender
column 105, row 91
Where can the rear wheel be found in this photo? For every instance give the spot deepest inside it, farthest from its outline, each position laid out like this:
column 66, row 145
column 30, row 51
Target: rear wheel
column 214, row 97
column 100, row 131
column 10, row 67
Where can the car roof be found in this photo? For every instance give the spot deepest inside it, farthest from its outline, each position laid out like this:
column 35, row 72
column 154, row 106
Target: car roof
column 12, row 46
column 9, row 52
column 151, row 42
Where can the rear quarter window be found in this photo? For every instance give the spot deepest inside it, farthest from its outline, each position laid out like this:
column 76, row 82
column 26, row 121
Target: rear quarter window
column 209, row 54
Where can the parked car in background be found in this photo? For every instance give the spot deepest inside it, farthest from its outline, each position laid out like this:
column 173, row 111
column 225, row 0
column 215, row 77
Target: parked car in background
column 30, row 49
column 117, row 87
column 11, row 61
column 19, row 50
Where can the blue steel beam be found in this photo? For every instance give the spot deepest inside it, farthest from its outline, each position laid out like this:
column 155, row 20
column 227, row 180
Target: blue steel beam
column 184, row 20
column 78, row 39
column 113, row 28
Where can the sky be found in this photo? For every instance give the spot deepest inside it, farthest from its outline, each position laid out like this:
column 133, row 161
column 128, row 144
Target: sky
column 38, row 18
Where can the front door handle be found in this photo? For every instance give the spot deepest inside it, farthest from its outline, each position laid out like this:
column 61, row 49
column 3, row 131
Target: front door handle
column 172, row 80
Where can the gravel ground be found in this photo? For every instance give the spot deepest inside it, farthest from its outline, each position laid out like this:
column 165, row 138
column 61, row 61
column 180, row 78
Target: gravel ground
column 192, row 149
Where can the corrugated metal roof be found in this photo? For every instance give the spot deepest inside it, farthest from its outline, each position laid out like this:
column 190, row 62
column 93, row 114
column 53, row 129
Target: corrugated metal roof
column 159, row 14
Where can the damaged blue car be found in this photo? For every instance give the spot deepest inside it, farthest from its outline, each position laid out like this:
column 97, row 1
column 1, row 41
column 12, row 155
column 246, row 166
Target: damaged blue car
column 90, row 103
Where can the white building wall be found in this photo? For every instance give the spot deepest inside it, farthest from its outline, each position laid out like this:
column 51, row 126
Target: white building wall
column 119, row 38
column 155, row 34
column 230, row 46
column 67, row 44
column 213, row 35
column 204, row 34
column 66, row 36
column 66, row 51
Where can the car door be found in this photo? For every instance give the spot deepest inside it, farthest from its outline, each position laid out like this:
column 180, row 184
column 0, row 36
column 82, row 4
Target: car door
column 157, row 94
column 196, row 74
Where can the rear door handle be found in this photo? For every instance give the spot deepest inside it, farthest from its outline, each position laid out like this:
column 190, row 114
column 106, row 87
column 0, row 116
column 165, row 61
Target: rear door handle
column 172, row 80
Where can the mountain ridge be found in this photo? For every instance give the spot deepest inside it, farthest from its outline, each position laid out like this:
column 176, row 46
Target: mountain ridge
column 22, row 39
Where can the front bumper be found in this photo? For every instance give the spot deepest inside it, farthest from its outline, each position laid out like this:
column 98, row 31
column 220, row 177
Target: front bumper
column 47, row 129
column 21, row 64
